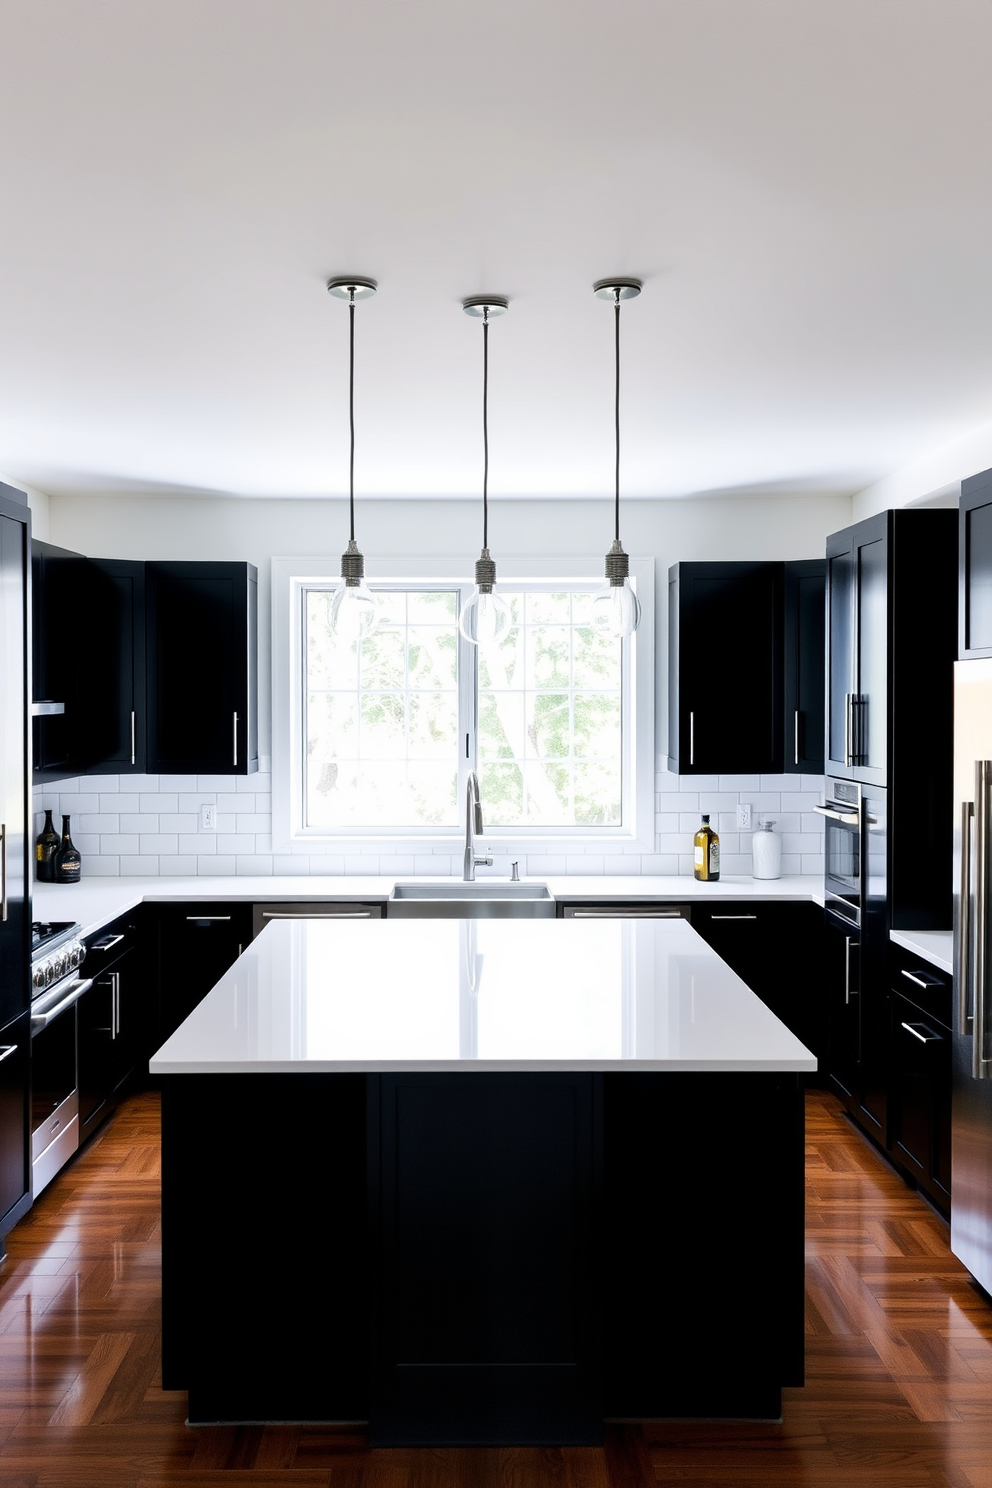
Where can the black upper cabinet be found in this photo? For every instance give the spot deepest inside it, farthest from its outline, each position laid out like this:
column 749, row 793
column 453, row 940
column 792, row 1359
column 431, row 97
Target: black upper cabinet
column 724, row 668
column 57, row 620
column 201, row 668
column 745, row 667
column 975, row 564
column 805, row 582
column 891, row 609
column 111, row 643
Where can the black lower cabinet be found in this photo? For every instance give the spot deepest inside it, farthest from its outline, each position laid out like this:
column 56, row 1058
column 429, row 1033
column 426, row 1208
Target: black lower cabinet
column 197, row 943
column 842, row 983
column 778, row 950
column 15, row 1169
column 920, row 1089
column 114, row 1020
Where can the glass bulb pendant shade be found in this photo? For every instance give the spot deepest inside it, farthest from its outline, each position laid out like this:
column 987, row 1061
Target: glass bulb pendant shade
column 485, row 616
column 353, row 608
column 615, row 610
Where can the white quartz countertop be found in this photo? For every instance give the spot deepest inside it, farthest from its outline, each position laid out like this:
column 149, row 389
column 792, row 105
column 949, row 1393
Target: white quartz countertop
column 935, row 946
column 458, row 995
column 95, row 901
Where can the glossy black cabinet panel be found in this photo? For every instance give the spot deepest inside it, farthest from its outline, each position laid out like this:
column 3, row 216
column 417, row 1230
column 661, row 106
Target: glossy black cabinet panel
column 115, row 1018
column 201, row 677
column 920, row 1141
column 805, row 585
column 975, row 567
column 197, row 944
column 842, row 980
column 858, row 639
column 725, row 668
column 15, row 843
column 58, row 620
column 111, row 642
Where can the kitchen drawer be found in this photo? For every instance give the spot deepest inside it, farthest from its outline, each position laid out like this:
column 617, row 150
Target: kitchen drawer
column 613, row 911
column 313, row 909
column 104, row 947
column 922, row 983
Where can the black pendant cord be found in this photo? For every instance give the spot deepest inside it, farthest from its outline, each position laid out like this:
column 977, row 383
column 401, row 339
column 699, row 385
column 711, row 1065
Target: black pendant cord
column 351, row 409
column 485, row 428
column 616, row 315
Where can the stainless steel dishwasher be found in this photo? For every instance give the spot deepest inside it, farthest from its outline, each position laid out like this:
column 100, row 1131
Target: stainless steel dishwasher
column 312, row 909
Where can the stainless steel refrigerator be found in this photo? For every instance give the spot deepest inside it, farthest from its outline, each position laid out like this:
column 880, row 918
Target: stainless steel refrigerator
column 971, row 1154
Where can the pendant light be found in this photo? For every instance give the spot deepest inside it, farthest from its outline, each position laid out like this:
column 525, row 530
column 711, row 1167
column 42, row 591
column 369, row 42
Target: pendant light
column 485, row 616
column 615, row 609
column 353, row 612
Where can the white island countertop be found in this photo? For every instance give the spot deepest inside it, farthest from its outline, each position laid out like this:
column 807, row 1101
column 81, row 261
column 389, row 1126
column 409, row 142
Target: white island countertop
column 458, row 995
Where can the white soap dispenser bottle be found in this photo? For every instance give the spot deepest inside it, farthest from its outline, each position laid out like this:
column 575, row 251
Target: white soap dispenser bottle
column 766, row 852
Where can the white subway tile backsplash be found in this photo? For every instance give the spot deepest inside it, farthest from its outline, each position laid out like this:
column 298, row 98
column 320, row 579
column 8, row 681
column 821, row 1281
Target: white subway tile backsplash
column 153, row 821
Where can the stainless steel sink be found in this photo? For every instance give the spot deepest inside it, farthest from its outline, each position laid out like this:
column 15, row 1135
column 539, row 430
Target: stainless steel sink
column 484, row 899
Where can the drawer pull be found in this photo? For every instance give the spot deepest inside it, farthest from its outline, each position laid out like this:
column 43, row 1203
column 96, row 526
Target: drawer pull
column 108, row 944
column 925, row 982
column 206, row 919
column 733, row 917
column 925, row 1038
column 627, row 914
column 325, row 914
column 6, row 1050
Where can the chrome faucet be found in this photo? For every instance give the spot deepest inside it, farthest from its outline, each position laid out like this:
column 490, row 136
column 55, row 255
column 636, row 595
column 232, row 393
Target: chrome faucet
column 473, row 825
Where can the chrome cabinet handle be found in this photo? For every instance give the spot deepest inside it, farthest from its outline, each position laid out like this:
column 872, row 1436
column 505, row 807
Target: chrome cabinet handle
column 922, row 982
column 796, row 733
column 3, row 871
column 733, row 917
column 692, row 738
column 115, row 1004
column 847, row 729
column 849, row 991
column 132, row 736
column 6, row 1050
column 981, row 1065
column 964, row 918
column 924, row 1038
column 108, row 944
column 235, row 729
column 204, row 919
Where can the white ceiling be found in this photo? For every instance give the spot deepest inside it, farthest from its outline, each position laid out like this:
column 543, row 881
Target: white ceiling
column 804, row 186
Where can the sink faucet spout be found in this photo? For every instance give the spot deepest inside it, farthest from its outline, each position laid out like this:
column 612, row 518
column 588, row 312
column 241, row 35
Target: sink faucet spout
column 473, row 827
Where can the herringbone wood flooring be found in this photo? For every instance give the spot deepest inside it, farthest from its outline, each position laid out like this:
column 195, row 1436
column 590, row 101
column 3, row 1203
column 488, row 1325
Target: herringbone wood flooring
column 899, row 1356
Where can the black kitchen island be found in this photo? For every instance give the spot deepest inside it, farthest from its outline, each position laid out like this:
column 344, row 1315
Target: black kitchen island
column 478, row 1183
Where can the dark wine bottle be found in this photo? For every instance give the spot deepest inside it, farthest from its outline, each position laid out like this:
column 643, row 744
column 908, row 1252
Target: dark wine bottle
column 44, row 850
column 68, row 863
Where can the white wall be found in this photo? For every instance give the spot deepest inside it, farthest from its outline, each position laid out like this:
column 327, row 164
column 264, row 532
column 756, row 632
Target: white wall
column 148, row 825
column 37, row 504
column 934, row 480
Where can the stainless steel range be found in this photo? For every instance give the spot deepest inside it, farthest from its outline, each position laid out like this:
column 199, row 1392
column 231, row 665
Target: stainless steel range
column 57, row 953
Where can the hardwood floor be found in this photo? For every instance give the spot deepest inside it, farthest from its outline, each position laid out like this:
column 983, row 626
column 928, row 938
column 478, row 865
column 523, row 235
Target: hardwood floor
column 899, row 1356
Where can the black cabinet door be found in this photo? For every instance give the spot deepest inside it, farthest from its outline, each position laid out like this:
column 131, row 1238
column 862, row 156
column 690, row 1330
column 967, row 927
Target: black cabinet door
column 58, row 620
column 921, row 1098
column 725, row 668
column 858, row 651
column 112, row 667
column 842, row 983
column 197, row 944
column 805, row 583
column 975, row 566
column 201, row 654
column 109, row 1019
column 15, row 1173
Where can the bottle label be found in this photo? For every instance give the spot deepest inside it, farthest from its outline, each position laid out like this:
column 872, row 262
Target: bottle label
column 714, row 857
column 697, row 856
column 39, row 852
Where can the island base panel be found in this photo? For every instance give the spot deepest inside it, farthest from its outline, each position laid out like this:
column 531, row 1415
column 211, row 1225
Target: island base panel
column 485, row 1193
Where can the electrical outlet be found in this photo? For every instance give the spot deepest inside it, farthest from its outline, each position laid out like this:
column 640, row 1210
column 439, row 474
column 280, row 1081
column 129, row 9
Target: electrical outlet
column 208, row 817
column 744, row 816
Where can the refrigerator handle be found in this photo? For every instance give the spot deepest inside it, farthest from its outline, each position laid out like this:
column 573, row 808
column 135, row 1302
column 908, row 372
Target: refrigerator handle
column 981, row 1066
column 964, row 919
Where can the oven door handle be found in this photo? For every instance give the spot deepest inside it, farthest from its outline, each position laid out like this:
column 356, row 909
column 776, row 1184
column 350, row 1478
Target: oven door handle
column 849, row 818
column 48, row 1015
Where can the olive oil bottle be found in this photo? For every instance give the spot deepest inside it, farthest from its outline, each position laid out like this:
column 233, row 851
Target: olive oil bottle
column 706, row 853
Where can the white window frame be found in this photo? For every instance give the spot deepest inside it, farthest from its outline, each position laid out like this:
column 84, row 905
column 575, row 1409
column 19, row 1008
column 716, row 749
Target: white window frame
column 290, row 576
